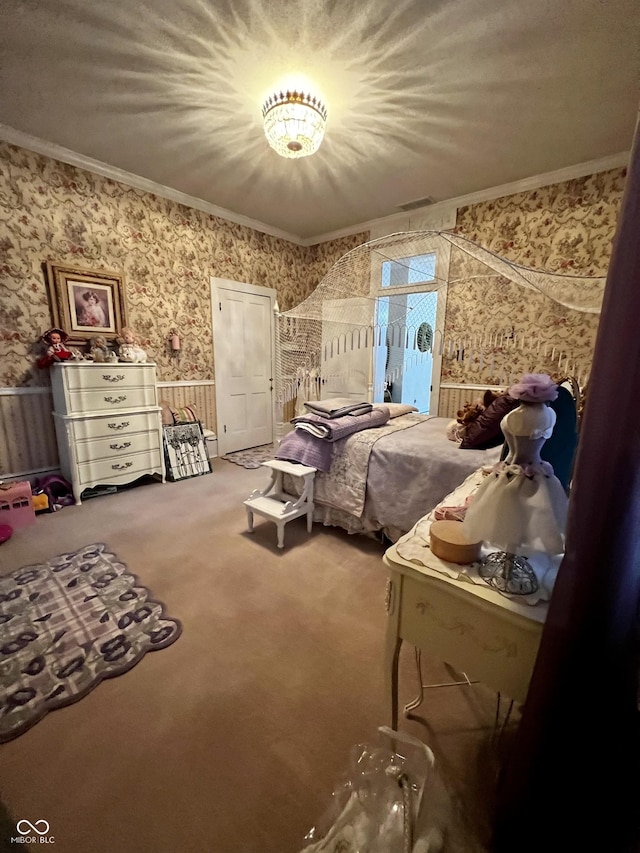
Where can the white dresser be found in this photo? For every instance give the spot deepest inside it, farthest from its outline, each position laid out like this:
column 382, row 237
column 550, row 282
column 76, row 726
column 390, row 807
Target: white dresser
column 107, row 422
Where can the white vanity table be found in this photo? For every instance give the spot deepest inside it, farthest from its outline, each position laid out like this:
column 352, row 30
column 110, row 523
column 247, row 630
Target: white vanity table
column 471, row 627
column 108, row 424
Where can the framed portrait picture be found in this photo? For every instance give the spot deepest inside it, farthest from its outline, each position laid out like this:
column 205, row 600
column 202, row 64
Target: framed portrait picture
column 86, row 303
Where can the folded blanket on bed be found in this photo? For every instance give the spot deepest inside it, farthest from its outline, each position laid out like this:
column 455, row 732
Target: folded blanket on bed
column 336, row 407
column 310, row 448
column 332, row 429
column 300, row 446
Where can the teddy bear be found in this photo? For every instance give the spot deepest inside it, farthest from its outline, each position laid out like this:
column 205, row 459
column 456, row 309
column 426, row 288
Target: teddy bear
column 469, row 413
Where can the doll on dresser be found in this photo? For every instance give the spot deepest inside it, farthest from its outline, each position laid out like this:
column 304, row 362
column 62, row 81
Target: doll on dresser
column 521, row 506
column 129, row 348
column 55, row 341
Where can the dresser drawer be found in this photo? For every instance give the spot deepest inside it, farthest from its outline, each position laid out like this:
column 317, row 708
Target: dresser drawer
column 110, row 399
column 116, row 425
column 123, row 469
column 116, row 447
column 84, row 377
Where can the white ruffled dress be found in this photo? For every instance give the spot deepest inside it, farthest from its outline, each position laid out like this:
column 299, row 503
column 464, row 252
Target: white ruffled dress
column 521, row 506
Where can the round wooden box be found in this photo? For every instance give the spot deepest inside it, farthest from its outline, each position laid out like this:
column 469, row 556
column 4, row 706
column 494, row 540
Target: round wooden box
column 448, row 542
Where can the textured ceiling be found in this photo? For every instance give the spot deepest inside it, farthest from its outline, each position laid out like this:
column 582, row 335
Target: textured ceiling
column 437, row 98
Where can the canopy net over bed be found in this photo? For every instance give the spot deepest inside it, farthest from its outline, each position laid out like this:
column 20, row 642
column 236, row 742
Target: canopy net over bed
column 396, row 310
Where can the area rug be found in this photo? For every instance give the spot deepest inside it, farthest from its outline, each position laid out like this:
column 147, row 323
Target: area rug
column 67, row 624
column 253, row 457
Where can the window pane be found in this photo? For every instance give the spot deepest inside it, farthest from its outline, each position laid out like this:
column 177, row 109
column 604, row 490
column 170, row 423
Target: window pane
column 416, row 269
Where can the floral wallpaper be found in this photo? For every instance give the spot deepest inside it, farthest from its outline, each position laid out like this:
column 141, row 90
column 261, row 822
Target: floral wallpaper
column 567, row 228
column 166, row 252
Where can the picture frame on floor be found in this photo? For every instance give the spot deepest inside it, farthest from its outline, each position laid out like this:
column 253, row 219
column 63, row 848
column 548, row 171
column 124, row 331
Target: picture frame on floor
column 185, row 451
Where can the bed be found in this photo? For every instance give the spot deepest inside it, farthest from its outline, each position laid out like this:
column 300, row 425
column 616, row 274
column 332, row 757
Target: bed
column 383, row 480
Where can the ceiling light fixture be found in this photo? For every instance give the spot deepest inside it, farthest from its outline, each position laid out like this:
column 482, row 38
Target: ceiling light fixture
column 294, row 123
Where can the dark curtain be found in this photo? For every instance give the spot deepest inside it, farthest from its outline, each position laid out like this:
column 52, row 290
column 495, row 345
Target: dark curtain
column 571, row 780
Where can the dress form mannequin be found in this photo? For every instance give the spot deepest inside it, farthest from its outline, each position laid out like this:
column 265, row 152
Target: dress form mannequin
column 521, row 507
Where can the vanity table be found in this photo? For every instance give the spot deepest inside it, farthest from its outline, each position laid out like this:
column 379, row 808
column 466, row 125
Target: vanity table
column 471, row 627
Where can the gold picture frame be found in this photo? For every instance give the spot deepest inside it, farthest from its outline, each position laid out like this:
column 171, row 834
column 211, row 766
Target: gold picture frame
column 85, row 303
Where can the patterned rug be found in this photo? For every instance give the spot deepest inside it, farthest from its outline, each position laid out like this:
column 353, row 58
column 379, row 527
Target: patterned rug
column 253, row 457
column 67, row 624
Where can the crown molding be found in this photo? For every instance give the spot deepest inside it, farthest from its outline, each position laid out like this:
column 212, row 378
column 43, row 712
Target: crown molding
column 401, row 220
column 568, row 173
column 72, row 158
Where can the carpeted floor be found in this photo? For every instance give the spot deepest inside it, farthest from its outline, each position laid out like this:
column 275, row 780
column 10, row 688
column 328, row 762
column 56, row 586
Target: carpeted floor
column 251, row 458
column 233, row 738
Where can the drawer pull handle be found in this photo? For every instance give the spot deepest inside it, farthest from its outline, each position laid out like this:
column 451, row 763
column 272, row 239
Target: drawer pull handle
column 119, row 399
column 119, row 467
column 119, row 426
column 122, row 446
column 108, row 377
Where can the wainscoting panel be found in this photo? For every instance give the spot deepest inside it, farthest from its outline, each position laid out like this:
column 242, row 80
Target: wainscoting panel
column 27, row 434
column 200, row 395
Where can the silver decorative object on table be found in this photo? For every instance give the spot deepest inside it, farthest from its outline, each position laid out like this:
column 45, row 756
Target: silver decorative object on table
column 508, row 573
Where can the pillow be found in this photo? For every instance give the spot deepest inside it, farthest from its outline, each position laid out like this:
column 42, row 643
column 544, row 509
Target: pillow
column 171, row 415
column 396, row 409
column 485, row 431
column 185, row 415
column 166, row 414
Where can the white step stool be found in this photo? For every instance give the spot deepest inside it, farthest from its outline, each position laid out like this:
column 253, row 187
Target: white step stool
column 280, row 507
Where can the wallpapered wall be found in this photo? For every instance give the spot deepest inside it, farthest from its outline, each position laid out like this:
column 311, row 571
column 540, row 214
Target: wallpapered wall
column 167, row 252
column 567, row 227
column 50, row 211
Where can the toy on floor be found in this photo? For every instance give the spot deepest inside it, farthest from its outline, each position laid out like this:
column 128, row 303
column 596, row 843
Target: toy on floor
column 40, row 502
column 58, row 491
column 16, row 504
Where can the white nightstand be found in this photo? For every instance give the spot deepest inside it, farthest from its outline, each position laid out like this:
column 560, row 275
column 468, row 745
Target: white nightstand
column 278, row 506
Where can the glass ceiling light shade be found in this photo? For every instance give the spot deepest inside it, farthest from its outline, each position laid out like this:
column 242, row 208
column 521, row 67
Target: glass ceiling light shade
column 294, row 123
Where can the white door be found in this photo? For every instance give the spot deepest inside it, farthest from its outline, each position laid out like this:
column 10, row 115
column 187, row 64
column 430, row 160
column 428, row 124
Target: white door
column 242, row 317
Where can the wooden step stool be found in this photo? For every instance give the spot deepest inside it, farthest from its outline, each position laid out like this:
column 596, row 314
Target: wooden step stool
column 277, row 505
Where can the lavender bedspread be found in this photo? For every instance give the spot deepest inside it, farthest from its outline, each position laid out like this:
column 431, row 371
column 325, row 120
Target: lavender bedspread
column 410, row 467
column 412, row 471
